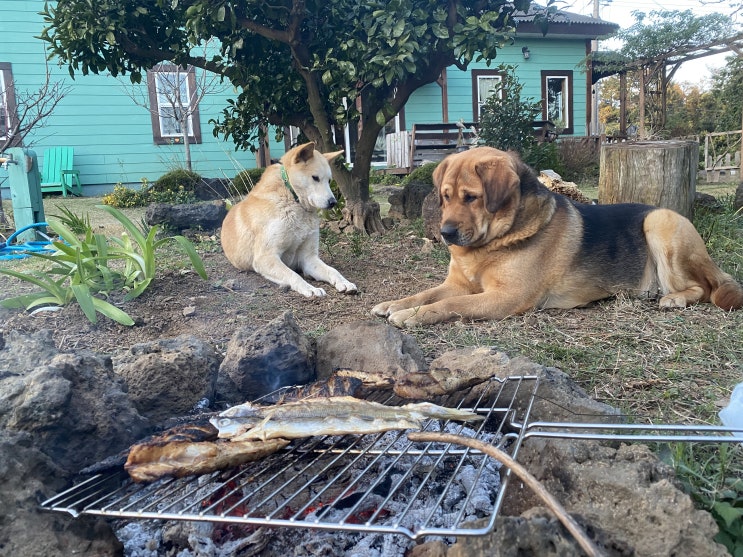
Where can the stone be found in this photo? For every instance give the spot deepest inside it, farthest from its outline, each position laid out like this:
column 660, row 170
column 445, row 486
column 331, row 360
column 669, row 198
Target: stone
column 208, row 189
column 27, row 476
column 73, row 404
column 58, row 413
column 431, row 213
column 258, row 362
column 408, row 202
column 206, row 215
column 384, row 348
column 151, row 369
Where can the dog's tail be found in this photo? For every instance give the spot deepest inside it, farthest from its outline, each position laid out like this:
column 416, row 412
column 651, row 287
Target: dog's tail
column 728, row 295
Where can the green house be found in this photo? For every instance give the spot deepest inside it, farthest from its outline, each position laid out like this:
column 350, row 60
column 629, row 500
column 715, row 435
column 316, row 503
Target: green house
column 118, row 137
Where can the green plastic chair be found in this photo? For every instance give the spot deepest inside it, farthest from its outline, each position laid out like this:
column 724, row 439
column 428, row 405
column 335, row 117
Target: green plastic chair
column 58, row 175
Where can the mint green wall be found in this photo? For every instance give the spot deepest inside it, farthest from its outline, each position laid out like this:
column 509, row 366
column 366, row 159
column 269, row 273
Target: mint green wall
column 424, row 105
column 111, row 135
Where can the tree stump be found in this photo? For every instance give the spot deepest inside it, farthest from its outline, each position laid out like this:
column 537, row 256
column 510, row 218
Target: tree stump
column 660, row 173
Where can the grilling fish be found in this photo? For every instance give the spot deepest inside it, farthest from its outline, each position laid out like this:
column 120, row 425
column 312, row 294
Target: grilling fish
column 327, row 416
column 148, row 462
column 192, row 448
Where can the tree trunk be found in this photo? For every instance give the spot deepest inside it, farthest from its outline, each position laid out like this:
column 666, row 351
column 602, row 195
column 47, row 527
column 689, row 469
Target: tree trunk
column 660, row 173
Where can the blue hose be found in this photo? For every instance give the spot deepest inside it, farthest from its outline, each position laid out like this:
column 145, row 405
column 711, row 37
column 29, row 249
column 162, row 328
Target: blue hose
column 19, row 251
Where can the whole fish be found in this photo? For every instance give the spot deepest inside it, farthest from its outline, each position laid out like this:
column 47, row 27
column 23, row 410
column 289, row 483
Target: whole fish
column 327, row 416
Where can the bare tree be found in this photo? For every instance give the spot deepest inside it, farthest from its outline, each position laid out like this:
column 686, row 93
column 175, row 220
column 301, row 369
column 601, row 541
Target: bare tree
column 174, row 95
column 26, row 111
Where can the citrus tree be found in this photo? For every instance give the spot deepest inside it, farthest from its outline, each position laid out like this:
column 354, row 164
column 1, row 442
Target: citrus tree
column 313, row 64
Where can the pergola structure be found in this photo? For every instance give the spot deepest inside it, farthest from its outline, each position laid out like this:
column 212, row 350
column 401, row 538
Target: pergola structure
column 659, row 69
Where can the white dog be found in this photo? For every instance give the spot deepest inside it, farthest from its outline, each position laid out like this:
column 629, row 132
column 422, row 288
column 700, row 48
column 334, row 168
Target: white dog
column 275, row 230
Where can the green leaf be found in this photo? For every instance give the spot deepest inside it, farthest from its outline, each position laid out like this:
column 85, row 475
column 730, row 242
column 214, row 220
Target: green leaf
column 112, row 312
column 727, row 512
column 85, row 299
column 380, row 118
column 196, row 261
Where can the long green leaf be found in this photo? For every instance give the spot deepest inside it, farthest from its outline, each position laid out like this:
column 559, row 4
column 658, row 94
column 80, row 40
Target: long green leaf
column 112, row 312
column 63, row 232
column 23, row 301
column 51, row 287
column 46, row 301
column 196, row 261
column 126, row 223
column 138, row 290
column 85, row 299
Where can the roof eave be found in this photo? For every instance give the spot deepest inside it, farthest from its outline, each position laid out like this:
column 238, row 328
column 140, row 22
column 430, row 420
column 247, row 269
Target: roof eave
column 567, row 30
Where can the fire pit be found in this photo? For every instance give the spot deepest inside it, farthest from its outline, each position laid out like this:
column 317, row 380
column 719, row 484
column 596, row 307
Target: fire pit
column 379, row 483
column 368, row 484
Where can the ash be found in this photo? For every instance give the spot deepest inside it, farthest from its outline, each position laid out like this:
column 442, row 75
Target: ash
column 435, row 495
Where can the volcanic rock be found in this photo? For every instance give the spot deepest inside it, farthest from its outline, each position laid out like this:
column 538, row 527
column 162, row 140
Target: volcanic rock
column 152, row 369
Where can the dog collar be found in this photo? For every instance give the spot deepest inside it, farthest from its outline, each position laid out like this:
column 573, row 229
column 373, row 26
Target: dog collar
column 285, row 178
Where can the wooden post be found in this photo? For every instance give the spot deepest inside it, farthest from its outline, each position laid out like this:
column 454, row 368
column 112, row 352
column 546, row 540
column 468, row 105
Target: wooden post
column 660, row 173
column 641, row 123
column 623, row 104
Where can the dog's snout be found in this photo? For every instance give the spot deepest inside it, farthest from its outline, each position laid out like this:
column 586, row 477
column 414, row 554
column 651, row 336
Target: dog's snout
column 332, row 202
column 449, row 233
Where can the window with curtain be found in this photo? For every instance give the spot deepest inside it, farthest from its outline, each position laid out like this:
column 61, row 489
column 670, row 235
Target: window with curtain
column 7, row 102
column 484, row 84
column 173, row 104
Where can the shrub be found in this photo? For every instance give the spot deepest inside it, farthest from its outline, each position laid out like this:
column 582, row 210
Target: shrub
column 506, row 119
column 175, row 180
column 377, row 178
column 245, row 180
column 125, row 198
column 579, row 160
column 423, row 173
column 177, row 186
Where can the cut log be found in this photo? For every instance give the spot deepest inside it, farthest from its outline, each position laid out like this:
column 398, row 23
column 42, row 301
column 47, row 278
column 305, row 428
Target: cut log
column 660, row 173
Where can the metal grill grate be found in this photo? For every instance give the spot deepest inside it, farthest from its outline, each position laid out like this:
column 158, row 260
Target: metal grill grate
column 378, row 483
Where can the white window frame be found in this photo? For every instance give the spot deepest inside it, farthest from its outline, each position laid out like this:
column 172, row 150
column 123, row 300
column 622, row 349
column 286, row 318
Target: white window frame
column 169, row 87
column 484, row 85
column 557, row 99
column 8, row 116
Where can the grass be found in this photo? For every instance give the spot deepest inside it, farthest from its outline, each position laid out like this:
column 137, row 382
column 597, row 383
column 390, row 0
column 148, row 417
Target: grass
column 674, row 367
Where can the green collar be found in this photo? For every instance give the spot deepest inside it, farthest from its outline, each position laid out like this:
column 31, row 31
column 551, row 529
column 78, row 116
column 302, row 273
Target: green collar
column 285, row 177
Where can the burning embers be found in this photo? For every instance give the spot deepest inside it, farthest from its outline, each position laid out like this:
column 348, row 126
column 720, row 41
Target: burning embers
column 367, row 485
column 330, row 493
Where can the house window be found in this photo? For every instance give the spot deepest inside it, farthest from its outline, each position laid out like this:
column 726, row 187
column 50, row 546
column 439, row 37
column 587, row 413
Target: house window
column 8, row 116
column 173, row 104
column 484, row 84
column 557, row 99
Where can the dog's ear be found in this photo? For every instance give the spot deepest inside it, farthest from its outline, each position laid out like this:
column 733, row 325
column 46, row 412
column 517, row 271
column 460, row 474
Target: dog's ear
column 332, row 156
column 438, row 174
column 500, row 180
column 304, row 152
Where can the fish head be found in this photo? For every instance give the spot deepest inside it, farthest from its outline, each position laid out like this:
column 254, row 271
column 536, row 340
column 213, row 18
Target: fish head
column 246, row 410
column 231, row 427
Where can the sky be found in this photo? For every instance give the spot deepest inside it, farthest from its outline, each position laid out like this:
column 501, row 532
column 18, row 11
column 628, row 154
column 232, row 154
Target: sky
column 620, row 12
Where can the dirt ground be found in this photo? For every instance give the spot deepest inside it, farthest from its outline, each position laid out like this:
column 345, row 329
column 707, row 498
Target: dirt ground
column 676, row 366
column 180, row 302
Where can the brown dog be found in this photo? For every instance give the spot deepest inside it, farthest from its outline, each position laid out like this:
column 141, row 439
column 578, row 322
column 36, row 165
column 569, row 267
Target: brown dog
column 515, row 246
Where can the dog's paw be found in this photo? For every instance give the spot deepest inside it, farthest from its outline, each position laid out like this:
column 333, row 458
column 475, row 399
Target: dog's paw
column 345, row 286
column 404, row 318
column 672, row 301
column 309, row 291
column 382, row 310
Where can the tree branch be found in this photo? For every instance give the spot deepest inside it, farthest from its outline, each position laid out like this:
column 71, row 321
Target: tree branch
column 523, row 474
